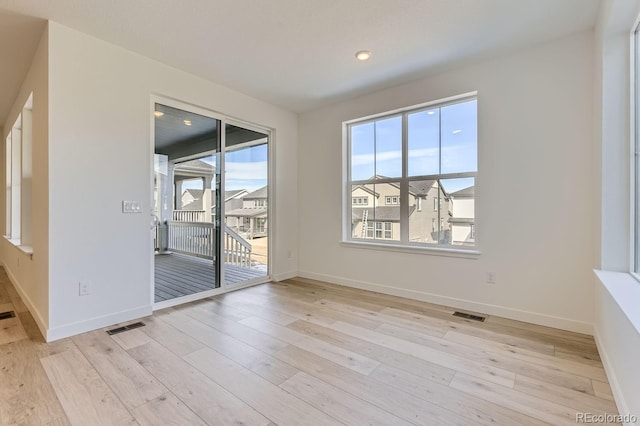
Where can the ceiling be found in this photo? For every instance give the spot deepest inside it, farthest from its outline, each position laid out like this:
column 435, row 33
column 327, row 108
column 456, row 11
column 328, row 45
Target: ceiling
column 293, row 53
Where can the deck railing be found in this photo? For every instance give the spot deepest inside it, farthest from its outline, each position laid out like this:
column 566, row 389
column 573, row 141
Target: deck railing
column 190, row 216
column 198, row 239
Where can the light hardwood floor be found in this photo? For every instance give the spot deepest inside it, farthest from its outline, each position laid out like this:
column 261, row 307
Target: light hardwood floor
column 300, row 352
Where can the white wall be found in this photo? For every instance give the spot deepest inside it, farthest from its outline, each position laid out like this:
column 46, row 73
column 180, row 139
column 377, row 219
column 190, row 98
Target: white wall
column 535, row 173
column 31, row 275
column 100, row 123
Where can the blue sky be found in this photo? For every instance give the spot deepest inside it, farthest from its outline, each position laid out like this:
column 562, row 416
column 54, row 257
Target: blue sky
column 245, row 169
column 376, row 147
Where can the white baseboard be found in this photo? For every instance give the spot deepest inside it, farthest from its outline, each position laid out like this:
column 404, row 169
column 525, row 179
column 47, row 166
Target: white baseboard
column 469, row 305
column 618, row 395
column 284, row 276
column 98, row 322
column 35, row 313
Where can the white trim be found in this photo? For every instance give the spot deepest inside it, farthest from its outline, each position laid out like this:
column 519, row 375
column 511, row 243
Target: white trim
column 515, row 314
column 41, row 323
column 208, row 293
column 625, row 291
column 433, row 251
column 618, row 395
column 97, row 323
column 284, row 276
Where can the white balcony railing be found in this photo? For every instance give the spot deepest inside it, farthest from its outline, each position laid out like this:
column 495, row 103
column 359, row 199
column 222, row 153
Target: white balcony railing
column 198, row 239
column 190, row 216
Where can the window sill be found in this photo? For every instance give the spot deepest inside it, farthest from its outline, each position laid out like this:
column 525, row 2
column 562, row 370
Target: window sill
column 625, row 290
column 28, row 250
column 433, row 251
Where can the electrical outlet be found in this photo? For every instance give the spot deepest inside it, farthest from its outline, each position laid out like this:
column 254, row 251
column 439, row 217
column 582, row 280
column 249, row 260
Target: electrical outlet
column 289, row 255
column 491, row 278
column 84, row 288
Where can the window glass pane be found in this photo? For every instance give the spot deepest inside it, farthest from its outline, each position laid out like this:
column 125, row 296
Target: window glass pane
column 637, row 149
column 362, row 217
column 459, row 149
column 389, row 147
column 461, row 192
column 424, row 140
column 362, row 151
column 424, row 222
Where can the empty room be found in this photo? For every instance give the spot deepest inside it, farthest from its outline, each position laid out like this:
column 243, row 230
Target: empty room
column 416, row 212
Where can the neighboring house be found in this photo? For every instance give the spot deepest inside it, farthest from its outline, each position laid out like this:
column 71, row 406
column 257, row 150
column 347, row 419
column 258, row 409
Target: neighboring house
column 375, row 212
column 250, row 219
column 463, row 219
column 192, row 200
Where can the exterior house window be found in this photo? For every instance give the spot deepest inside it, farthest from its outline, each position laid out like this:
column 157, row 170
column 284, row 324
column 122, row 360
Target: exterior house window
column 260, row 203
column 426, row 151
column 392, row 200
column 360, row 201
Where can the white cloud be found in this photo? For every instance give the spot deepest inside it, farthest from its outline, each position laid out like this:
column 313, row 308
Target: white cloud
column 246, row 171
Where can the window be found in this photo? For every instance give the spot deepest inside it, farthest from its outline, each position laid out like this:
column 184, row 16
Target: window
column 379, row 230
column 360, row 201
column 636, row 77
column 393, row 200
column 260, row 203
column 18, row 147
column 418, row 153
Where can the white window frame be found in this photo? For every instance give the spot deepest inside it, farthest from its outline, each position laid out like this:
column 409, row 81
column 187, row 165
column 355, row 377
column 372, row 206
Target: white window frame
column 404, row 244
column 392, row 200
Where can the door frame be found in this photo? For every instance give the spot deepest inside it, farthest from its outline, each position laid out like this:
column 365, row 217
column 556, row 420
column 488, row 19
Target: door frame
column 224, row 120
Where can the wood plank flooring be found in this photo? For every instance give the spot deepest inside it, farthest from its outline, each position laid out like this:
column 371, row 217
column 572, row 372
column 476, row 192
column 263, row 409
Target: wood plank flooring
column 300, row 352
column 178, row 275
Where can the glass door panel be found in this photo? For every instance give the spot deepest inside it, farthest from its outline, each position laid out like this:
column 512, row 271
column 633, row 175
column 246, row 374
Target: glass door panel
column 185, row 199
column 246, row 205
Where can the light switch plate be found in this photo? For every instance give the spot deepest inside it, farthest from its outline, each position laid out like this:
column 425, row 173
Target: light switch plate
column 131, row 207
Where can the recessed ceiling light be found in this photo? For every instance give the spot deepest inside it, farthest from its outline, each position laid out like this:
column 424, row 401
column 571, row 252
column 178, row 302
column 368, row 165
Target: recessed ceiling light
column 187, row 122
column 363, row 55
column 158, row 113
column 431, row 112
column 455, row 132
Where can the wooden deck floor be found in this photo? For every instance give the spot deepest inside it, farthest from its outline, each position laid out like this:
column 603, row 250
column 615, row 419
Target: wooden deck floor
column 178, row 275
column 302, row 353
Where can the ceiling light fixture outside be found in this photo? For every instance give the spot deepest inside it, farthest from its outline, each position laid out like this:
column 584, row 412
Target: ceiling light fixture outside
column 363, row 55
column 187, row 122
column 158, row 113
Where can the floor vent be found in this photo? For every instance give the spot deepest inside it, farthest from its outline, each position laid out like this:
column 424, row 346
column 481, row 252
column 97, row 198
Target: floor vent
column 469, row 316
column 125, row 328
column 7, row 315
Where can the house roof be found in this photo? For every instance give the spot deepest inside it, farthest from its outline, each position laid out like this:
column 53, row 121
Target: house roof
column 194, row 166
column 257, row 194
column 195, row 193
column 421, row 187
column 262, row 211
column 193, row 205
column 234, row 194
column 379, row 214
column 465, row 192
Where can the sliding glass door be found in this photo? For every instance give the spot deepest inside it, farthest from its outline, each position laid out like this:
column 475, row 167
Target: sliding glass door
column 211, row 229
